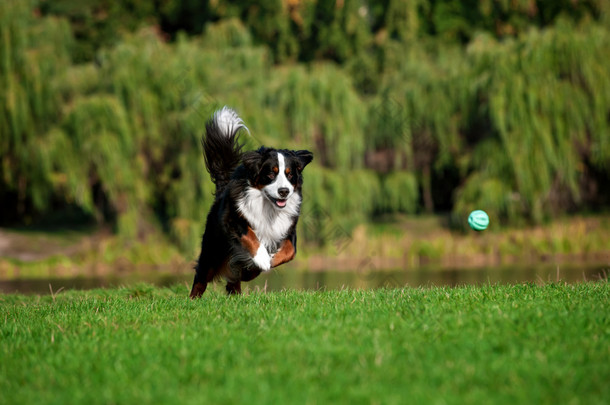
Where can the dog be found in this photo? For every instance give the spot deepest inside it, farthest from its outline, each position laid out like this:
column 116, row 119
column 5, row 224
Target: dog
column 251, row 227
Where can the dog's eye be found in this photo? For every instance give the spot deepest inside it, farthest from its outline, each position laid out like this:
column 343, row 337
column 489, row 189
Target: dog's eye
column 271, row 175
column 289, row 176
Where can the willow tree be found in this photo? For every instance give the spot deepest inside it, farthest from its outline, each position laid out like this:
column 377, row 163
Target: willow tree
column 523, row 122
column 548, row 104
column 417, row 114
column 462, row 20
column 170, row 92
column 32, row 55
column 321, row 109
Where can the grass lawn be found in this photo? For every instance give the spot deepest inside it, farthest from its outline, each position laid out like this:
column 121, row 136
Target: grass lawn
column 493, row 344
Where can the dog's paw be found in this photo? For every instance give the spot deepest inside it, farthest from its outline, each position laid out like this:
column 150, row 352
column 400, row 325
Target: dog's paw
column 262, row 259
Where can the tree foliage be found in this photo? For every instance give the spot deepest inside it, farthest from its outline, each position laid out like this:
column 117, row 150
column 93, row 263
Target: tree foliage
column 409, row 106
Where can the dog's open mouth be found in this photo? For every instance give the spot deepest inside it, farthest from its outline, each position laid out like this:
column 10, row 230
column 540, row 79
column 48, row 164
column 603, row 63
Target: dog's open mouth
column 279, row 202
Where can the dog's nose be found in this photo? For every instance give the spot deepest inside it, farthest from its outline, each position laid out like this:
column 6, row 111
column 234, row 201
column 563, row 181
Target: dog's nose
column 283, row 192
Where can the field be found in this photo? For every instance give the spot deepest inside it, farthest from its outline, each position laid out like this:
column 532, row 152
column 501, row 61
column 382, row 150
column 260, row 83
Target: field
column 494, row 344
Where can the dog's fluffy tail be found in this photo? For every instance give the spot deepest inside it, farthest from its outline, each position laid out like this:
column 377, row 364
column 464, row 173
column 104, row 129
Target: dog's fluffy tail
column 221, row 147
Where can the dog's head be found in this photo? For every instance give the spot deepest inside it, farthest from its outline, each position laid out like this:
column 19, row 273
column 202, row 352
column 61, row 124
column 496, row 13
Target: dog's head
column 276, row 172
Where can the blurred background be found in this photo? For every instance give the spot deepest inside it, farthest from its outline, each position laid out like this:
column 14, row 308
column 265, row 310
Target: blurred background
column 417, row 111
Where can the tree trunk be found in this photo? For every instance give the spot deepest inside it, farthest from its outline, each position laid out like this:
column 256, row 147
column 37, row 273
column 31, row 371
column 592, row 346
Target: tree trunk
column 427, row 189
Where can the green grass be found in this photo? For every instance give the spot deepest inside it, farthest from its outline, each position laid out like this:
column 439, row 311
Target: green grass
column 492, row 344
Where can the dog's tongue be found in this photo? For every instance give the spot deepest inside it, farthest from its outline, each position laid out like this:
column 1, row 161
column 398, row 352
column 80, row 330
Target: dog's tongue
column 281, row 203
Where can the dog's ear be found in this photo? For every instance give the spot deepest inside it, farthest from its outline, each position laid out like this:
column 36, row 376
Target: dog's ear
column 304, row 157
column 252, row 161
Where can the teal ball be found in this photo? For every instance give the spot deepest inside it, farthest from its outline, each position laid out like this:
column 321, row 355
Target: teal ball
column 478, row 220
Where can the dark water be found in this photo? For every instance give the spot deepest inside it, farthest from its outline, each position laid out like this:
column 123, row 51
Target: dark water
column 286, row 279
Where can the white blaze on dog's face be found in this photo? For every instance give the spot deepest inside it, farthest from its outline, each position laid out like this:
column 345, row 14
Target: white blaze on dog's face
column 280, row 189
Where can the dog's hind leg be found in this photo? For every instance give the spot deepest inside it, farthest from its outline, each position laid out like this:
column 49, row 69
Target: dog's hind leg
column 199, row 286
column 233, row 275
column 204, row 274
column 233, row 287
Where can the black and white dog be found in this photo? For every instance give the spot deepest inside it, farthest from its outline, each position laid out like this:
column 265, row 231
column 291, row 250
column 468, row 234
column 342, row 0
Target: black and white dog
column 251, row 226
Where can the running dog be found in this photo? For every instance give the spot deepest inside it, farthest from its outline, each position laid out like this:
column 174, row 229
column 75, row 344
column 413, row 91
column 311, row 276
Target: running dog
column 251, row 227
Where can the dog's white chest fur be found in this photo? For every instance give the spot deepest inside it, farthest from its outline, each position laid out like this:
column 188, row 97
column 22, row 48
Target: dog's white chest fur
column 270, row 224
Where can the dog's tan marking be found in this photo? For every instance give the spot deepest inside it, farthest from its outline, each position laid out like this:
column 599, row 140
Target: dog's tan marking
column 198, row 290
column 285, row 254
column 250, row 242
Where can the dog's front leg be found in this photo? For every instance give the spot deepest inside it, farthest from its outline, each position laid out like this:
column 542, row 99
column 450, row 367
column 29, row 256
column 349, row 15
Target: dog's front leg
column 285, row 254
column 258, row 252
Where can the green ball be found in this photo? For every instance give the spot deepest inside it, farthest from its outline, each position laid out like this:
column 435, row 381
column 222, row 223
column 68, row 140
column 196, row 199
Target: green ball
column 478, row 220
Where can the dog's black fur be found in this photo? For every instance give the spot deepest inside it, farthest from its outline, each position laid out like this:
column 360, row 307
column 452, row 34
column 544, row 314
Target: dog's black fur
column 251, row 226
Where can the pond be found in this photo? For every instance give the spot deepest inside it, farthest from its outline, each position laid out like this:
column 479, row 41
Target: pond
column 302, row 280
